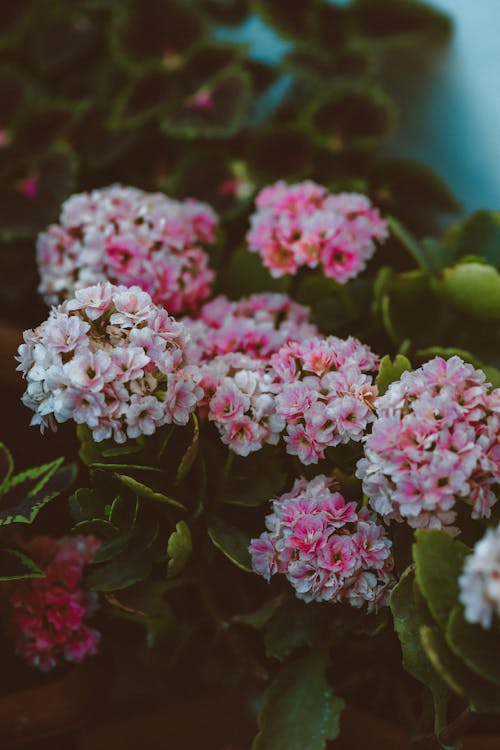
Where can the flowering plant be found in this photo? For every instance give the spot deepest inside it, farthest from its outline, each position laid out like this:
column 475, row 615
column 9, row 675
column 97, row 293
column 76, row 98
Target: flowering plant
column 267, row 486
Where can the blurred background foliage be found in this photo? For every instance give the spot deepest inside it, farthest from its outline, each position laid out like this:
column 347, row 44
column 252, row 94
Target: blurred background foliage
column 204, row 98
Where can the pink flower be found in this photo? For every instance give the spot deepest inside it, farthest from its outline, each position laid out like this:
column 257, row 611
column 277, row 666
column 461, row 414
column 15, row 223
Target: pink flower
column 434, row 443
column 129, row 237
column 303, row 225
column 111, row 359
column 46, row 616
column 323, row 394
column 327, row 549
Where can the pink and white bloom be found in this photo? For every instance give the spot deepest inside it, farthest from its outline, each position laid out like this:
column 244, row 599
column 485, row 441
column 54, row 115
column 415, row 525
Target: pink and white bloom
column 303, row 225
column 328, row 549
column 123, row 367
column 129, row 237
column 434, row 443
column 324, row 393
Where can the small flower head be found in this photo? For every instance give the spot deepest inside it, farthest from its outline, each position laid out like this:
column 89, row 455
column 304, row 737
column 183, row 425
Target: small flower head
column 304, row 225
column 111, row 359
column 48, row 616
column 126, row 236
column 328, row 549
column 434, row 442
column 324, row 393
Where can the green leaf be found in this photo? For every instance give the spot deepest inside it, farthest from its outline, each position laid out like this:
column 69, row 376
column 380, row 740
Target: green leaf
column 416, row 250
column 292, row 18
column 228, row 96
column 395, row 20
column 232, row 542
column 16, row 565
column 134, row 467
column 51, row 485
column 413, row 191
column 179, row 548
column 439, row 561
column 35, row 478
column 478, row 235
column 6, row 467
column 123, row 512
column 189, row 456
column 389, row 371
column 254, row 493
column 145, row 33
column 122, row 571
column 142, row 490
column 473, row 288
column 408, row 620
column 85, row 504
column 475, row 646
column 246, row 274
column 259, row 617
column 299, row 711
column 483, row 696
column 405, row 293
column 292, row 626
column 351, row 117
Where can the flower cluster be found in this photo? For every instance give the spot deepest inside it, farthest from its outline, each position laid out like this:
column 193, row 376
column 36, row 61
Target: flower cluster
column 435, row 440
column 304, row 225
column 126, row 236
column 257, row 325
column 239, row 397
column 46, row 616
column 328, row 549
column 325, row 393
column 112, row 360
column 480, row 580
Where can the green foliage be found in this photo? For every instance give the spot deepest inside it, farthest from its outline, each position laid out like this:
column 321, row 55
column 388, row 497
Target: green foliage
column 16, row 565
column 439, row 561
column 299, row 710
column 439, row 647
column 179, row 548
column 232, row 542
column 389, row 371
column 472, row 287
column 22, row 497
column 409, row 617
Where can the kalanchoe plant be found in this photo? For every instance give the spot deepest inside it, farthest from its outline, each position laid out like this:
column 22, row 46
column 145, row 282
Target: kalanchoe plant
column 247, row 438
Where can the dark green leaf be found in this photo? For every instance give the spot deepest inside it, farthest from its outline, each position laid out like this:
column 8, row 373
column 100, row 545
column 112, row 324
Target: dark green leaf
column 47, row 488
column 292, row 626
column 216, row 110
column 119, row 573
column 299, row 711
column 408, row 620
column 16, row 565
column 388, row 20
column 232, row 542
column 482, row 695
column 189, row 456
column 6, row 467
column 439, row 561
column 475, row 646
column 478, row 235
